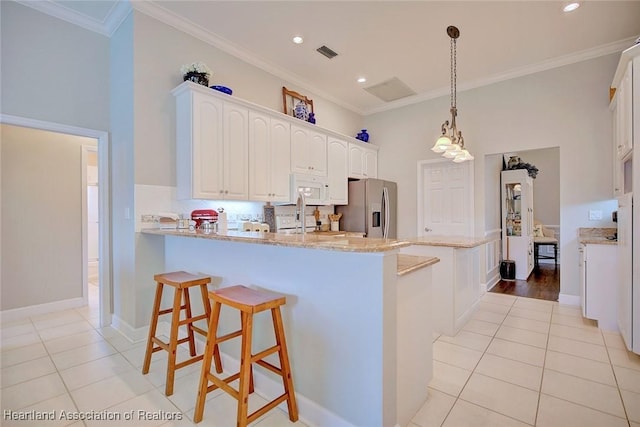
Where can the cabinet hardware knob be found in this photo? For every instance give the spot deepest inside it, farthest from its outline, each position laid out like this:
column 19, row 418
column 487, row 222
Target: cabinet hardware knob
column 427, row 229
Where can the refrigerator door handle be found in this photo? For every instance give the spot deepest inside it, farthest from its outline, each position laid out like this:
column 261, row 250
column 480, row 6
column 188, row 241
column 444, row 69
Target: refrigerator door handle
column 385, row 217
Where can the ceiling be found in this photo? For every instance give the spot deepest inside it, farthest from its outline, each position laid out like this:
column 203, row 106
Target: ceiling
column 382, row 40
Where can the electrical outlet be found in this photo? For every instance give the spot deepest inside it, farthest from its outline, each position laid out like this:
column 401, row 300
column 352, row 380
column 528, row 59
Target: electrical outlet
column 595, row 215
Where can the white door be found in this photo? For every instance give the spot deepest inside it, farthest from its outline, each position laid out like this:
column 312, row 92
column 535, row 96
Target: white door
column 445, row 198
column 92, row 222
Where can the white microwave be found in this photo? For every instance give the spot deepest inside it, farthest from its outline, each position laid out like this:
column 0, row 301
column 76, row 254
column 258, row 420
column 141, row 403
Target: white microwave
column 315, row 188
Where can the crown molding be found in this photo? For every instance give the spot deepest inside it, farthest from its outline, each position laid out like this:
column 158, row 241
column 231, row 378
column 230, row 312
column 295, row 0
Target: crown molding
column 584, row 55
column 154, row 10
column 112, row 21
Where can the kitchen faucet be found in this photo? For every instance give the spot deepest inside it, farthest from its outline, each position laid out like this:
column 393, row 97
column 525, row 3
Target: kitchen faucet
column 301, row 205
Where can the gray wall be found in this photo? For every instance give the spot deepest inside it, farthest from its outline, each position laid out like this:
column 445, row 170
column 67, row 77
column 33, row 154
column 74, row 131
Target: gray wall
column 566, row 107
column 41, row 216
column 52, row 70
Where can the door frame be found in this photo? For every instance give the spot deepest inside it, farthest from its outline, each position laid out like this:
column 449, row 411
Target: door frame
column 423, row 167
column 104, row 218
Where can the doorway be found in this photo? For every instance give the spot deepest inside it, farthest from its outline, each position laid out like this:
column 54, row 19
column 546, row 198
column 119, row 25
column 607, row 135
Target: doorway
column 92, row 227
column 544, row 280
column 27, row 305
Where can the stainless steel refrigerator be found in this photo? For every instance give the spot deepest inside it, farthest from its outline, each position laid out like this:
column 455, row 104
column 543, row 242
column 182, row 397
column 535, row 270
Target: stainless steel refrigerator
column 372, row 208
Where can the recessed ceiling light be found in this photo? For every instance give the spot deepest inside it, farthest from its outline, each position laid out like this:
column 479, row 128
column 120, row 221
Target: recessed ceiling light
column 298, row 40
column 569, row 7
column 361, row 79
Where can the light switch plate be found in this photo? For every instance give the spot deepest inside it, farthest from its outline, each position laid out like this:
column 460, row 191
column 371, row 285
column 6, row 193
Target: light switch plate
column 595, row 215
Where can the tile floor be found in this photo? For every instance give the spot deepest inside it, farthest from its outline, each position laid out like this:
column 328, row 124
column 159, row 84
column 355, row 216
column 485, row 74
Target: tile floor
column 518, row 362
column 528, row 362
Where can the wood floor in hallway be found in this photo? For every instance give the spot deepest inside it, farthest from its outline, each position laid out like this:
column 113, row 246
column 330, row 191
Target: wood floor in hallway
column 543, row 283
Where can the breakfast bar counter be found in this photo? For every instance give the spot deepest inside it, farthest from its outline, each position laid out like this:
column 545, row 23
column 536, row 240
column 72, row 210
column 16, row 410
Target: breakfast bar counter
column 350, row 318
column 336, row 242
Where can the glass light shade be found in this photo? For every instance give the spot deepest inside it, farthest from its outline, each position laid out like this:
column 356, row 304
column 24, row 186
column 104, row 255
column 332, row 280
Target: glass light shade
column 452, row 151
column 463, row 156
column 442, row 144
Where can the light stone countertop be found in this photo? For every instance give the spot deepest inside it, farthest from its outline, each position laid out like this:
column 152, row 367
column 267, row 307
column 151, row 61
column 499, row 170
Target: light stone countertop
column 597, row 236
column 308, row 240
column 449, row 241
column 410, row 263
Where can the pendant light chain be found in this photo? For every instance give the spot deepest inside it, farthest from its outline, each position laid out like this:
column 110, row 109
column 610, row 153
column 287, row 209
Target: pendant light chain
column 454, row 75
column 451, row 143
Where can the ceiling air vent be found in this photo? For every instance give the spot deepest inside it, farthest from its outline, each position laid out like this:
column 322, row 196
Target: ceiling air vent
column 390, row 90
column 327, row 52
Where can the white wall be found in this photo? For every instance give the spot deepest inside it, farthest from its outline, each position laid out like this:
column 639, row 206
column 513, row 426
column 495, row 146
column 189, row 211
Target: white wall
column 41, row 216
column 53, row 70
column 565, row 107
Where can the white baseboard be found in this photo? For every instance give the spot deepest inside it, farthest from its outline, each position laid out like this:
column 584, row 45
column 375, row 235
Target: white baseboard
column 131, row 333
column 310, row 412
column 565, row 299
column 39, row 309
column 492, row 282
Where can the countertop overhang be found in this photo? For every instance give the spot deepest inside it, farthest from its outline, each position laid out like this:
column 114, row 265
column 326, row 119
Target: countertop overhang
column 449, row 241
column 308, row 240
column 410, row 263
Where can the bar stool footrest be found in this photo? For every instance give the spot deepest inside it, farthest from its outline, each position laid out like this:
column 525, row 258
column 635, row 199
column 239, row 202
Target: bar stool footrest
column 266, row 408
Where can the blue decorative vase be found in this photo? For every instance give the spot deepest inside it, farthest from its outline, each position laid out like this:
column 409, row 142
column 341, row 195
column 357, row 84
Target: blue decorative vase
column 300, row 111
column 312, row 118
column 363, row 136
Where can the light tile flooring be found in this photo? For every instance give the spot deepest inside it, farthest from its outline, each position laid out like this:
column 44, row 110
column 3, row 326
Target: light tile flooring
column 525, row 362
column 518, row 362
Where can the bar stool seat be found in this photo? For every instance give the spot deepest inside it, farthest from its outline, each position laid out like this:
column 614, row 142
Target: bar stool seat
column 181, row 281
column 248, row 302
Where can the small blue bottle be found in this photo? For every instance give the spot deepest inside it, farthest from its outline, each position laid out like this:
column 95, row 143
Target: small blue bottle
column 363, row 136
column 312, row 118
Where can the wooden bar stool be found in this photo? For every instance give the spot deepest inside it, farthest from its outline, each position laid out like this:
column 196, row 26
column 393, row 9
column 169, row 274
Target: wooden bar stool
column 249, row 302
column 181, row 281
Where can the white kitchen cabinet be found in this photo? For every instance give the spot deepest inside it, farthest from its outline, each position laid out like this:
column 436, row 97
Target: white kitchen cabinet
column 308, row 151
column 269, row 158
column 235, row 153
column 455, row 285
column 599, row 279
column 337, row 166
column 517, row 220
column 624, row 114
column 363, row 161
column 211, row 148
column 618, row 184
column 626, row 82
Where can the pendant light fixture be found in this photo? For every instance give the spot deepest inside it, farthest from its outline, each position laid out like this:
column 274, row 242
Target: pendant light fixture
column 451, row 144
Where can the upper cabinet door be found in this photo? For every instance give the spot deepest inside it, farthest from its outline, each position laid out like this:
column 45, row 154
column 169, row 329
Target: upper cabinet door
column 338, row 170
column 624, row 109
column 363, row 162
column 308, row 151
column 269, row 158
column 280, row 160
column 207, row 139
column 236, row 152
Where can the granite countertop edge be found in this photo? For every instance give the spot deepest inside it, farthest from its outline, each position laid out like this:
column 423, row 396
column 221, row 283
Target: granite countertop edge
column 308, row 241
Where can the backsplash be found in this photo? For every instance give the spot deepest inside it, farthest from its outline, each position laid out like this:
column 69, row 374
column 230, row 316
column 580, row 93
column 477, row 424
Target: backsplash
column 156, row 199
